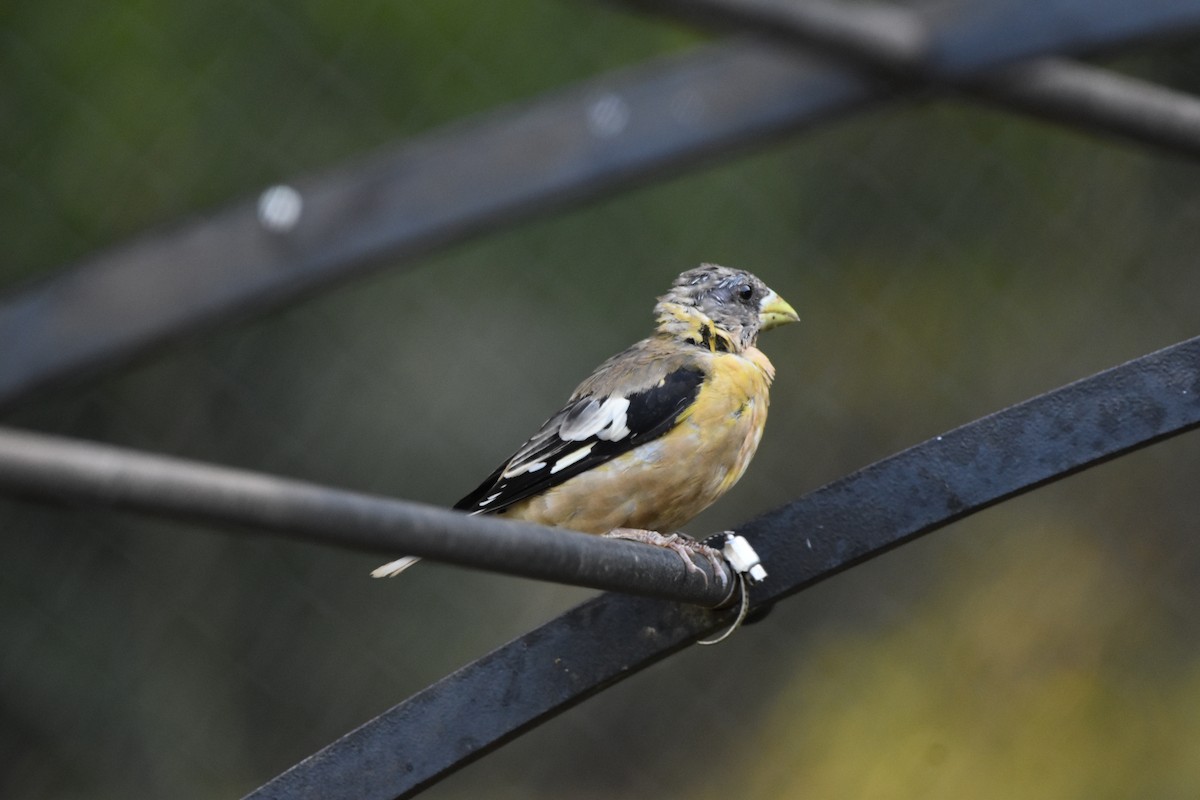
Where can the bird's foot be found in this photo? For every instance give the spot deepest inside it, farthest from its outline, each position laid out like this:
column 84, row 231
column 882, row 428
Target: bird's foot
column 680, row 544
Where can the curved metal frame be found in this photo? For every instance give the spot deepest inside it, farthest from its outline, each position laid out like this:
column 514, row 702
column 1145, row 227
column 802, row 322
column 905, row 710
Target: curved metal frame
column 543, row 673
column 739, row 93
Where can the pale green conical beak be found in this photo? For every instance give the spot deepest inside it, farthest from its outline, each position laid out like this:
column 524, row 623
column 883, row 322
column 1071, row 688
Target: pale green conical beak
column 774, row 311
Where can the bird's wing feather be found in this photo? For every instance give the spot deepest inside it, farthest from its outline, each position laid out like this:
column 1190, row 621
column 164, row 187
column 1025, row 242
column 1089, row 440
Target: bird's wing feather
column 587, row 432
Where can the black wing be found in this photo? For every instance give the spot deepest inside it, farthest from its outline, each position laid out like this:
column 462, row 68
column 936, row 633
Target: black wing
column 588, row 432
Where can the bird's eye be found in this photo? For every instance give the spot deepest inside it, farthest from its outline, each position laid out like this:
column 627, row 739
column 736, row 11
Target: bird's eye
column 745, row 292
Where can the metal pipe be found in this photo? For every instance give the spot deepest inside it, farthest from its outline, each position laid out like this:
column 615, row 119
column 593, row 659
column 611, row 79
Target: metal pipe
column 64, row 470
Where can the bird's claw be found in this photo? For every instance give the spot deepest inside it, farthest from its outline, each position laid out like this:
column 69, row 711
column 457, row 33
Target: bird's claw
column 681, row 545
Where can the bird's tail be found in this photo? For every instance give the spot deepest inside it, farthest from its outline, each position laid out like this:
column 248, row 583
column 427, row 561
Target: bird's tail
column 394, row 568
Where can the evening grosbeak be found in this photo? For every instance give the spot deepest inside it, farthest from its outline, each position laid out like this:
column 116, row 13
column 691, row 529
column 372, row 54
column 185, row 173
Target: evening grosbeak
column 658, row 432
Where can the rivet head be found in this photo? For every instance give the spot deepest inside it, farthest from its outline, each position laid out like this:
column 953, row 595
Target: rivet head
column 279, row 208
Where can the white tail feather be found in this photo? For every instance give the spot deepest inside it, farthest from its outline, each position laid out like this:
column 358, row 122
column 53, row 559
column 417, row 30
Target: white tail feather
column 394, row 568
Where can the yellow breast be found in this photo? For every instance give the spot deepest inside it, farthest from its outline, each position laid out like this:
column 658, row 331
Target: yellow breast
column 662, row 484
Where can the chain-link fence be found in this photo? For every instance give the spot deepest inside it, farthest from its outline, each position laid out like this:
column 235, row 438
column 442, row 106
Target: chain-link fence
column 948, row 259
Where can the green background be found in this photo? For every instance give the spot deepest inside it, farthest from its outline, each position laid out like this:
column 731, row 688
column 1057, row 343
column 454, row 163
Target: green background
column 947, row 260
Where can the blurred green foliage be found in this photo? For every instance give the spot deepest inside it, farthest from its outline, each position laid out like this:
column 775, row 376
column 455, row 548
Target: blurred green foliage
column 947, row 260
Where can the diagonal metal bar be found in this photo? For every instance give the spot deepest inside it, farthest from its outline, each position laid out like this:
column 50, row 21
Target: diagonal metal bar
column 994, row 31
column 493, row 700
column 566, row 148
column 431, row 191
column 900, row 44
column 939, row 42
column 65, row 470
column 1096, row 101
column 978, row 465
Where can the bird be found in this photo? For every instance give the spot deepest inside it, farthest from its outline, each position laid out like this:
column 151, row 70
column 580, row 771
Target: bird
column 656, row 433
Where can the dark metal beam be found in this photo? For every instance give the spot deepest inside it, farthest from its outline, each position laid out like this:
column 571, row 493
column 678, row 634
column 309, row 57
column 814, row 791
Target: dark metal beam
column 938, row 42
column 431, row 191
column 994, row 458
column 904, row 46
column 1096, row 101
column 480, row 707
column 468, row 178
column 64, row 470
column 987, row 33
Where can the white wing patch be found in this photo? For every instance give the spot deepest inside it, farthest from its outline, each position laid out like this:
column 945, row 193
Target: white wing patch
column 605, row 420
column 571, row 458
column 617, row 427
column 521, row 469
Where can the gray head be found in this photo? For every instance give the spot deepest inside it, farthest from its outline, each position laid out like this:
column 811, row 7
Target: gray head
column 737, row 303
